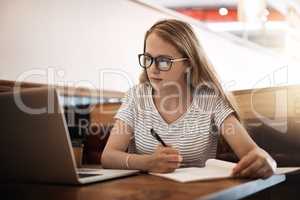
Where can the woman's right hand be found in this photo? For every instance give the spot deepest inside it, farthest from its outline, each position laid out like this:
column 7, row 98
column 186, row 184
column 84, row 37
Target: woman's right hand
column 164, row 160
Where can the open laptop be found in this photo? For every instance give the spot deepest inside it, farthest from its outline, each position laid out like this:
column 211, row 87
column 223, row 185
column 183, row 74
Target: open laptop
column 35, row 144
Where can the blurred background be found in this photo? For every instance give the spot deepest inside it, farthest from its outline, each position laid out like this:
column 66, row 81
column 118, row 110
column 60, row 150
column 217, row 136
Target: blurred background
column 273, row 24
column 251, row 43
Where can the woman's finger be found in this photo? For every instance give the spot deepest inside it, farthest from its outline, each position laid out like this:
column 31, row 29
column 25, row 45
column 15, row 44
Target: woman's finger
column 172, row 165
column 172, row 158
column 243, row 163
column 169, row 150
column 252, row 169
column 260, row 173
column 268, row 173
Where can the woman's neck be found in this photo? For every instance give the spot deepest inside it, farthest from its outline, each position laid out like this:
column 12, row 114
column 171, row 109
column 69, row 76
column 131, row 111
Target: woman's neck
column 174, row 94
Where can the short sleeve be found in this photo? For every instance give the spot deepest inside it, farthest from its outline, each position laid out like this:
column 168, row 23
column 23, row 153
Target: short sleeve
column 221, row 111
column 126, row 112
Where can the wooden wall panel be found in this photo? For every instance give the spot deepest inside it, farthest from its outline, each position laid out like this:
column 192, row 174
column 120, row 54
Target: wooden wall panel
column 104, row 113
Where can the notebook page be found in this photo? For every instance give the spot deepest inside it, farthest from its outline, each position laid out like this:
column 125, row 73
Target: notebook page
column 214, row 169
column 286, row 170
column 195, row 174
column 230, row 166
column 220, row 163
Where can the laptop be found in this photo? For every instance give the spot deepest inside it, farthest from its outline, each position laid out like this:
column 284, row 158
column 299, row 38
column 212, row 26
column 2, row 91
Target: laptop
column 35, row 144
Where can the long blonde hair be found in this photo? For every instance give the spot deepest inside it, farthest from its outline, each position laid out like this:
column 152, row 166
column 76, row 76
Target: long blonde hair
column 181, row 35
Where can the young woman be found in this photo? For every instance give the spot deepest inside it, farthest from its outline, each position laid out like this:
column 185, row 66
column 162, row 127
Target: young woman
column 181, row 99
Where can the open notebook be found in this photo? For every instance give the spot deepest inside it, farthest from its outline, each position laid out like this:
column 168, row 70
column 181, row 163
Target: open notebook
column 214, row 169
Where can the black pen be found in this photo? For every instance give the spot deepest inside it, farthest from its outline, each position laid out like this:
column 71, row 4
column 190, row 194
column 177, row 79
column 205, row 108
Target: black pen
column 213, row 126
column 156, row 136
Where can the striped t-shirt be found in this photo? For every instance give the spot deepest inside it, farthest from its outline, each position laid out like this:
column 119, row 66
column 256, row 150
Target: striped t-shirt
column 190, row 134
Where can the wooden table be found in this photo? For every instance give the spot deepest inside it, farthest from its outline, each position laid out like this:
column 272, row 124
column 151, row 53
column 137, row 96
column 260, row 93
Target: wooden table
column 142, row 186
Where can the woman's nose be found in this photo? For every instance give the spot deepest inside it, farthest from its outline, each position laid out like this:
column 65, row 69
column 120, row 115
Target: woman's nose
column 153, row 68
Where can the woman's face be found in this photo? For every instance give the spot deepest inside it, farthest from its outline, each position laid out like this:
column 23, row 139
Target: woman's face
column 156, row 46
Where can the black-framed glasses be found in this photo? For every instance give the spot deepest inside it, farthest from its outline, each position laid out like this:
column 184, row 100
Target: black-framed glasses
column 163, row 63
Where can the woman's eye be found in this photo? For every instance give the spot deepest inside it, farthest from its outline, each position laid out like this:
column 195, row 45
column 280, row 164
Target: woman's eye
column 164, row 66
column 163, row 59
column 163, row 63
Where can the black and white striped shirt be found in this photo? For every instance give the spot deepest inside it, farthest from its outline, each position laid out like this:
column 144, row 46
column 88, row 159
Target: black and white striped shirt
column 190, row 133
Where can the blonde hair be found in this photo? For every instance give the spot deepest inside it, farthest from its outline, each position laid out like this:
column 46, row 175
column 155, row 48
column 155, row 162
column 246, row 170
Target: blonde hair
column 181, row 36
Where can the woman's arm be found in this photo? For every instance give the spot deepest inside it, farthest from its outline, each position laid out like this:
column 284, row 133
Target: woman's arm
column 254, row 161
column 114, row 154
column 164, row 159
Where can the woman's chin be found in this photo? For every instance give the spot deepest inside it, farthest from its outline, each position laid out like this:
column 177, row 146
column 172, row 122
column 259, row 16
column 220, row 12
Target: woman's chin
column 156, row 84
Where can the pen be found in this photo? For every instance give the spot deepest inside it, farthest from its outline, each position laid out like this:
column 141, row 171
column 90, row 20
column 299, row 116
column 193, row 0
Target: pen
column 214, row 127
column 156, row 136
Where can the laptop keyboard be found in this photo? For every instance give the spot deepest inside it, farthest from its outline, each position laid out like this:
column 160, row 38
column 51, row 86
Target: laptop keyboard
column 88, row 172
column 87, row 175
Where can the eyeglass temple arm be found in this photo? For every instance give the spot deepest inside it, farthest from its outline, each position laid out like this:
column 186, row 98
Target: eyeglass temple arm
column 179, row 59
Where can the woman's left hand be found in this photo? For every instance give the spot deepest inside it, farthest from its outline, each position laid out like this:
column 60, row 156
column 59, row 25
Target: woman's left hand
column 256, row 164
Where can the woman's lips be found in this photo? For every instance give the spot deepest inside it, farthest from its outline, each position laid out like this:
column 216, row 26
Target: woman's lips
column 156, row 79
